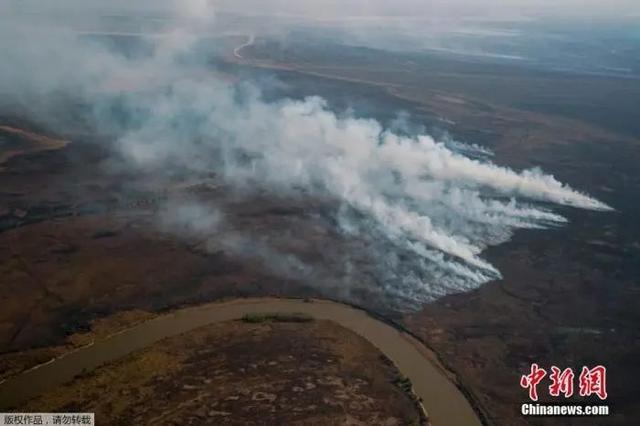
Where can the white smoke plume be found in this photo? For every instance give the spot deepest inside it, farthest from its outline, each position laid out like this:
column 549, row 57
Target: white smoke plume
column 443, row 202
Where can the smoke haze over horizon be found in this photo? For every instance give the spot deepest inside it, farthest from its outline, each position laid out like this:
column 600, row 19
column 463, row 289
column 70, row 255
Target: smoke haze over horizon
column 442, row 201
column 329, row 9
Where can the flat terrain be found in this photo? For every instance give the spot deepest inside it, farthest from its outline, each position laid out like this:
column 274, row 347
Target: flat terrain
column 16, row 141
column 243, row 373
column 568, row 296
column 426, row 378
column 77, row 244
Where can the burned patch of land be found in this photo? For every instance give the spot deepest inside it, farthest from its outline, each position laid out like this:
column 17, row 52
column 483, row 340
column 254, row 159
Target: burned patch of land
column 15, row 141
column 80, row 242
column 244, row 372
column 60, row 274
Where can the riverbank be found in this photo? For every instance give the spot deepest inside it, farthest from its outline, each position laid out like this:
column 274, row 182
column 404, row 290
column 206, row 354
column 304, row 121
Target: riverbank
column 444, row 402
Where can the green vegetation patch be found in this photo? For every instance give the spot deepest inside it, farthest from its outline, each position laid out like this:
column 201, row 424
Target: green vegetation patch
column 257, row 318
column 405, row 384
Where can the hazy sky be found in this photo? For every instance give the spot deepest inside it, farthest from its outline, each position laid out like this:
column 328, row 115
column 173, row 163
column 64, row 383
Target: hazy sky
column 484, row 8
column 345, row 8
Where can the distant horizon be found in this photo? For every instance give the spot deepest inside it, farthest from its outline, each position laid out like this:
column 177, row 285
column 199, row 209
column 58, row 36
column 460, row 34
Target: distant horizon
column 616, row 10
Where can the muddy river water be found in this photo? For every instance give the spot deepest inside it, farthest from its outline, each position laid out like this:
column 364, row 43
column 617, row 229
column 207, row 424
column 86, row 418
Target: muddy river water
column 444, row 402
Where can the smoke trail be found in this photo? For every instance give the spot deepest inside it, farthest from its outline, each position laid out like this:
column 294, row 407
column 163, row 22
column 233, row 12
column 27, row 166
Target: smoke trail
column 432, row 206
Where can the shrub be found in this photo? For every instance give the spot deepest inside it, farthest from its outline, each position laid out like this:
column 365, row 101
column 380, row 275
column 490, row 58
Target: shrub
column 256, row 318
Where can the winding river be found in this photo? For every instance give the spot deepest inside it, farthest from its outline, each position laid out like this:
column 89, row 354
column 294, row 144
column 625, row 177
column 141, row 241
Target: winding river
column 444, row 403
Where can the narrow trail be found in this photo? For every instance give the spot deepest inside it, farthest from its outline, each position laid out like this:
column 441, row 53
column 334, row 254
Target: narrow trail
column 250, row 40
column 39, row 143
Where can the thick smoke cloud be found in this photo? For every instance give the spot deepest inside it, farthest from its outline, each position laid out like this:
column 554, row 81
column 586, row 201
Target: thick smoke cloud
column 443, row 202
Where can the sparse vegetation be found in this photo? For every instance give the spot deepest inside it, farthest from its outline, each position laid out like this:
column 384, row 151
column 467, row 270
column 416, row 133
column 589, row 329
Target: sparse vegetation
column 249, row 374
column 257, row 318
column 404, row 384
